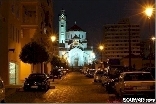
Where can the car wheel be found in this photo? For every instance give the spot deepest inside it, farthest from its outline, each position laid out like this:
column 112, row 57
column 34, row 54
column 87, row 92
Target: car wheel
column 3, row 101
column 48, row 85
column 109, row 90
column 121, row 94
column 46, row 88
column 25, row 89
column 116, row 94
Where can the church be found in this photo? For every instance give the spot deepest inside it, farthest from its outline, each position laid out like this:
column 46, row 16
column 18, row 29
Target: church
column 73, row 45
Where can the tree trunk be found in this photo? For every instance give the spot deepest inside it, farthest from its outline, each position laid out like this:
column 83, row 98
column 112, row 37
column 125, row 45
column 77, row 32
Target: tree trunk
column 32, row 68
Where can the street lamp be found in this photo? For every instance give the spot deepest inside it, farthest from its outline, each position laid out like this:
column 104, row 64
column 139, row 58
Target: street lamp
column 153, row 39
column 101, row 47
column 149, row 12
column 53, row 38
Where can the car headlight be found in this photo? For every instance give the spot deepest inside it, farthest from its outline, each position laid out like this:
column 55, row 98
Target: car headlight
column 26, row 83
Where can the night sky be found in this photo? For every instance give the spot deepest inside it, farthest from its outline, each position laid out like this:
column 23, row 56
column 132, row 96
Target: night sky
column 91, row 15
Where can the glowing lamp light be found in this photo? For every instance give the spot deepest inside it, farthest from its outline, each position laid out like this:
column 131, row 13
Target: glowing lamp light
column 149, row 11
column 53, row 38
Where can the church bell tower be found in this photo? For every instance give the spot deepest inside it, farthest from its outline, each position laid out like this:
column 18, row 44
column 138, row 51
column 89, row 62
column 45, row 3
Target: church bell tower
column 62, row 26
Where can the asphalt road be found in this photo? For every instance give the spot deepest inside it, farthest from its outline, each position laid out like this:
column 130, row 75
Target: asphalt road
column 73, row 88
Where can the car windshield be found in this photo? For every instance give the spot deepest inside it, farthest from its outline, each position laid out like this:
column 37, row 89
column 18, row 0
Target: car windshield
column 37, row 76
column 138, row 77
column 92, row 71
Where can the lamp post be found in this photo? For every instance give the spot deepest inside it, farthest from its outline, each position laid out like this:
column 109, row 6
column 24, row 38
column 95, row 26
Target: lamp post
column 53, row 39
column 101, row 47
column 151, row 50
column 149, row 12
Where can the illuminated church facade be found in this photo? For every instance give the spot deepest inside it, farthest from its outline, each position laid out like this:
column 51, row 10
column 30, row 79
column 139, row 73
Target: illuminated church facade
column 73, row 45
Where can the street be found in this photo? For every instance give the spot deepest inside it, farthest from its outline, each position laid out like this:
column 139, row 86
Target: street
column 73, row 88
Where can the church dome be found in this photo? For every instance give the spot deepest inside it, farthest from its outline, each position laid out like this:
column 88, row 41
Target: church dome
column 75, row 28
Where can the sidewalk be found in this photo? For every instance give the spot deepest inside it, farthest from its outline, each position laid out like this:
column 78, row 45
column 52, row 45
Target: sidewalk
column 9, row 89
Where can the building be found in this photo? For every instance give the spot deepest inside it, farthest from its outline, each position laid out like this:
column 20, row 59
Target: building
column 116, row 39
column 20, row 20
column 73, row 45
column 147, row 48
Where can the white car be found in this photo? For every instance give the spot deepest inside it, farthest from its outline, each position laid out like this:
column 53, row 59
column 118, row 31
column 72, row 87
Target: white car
column 135, row 83
column 2, row 91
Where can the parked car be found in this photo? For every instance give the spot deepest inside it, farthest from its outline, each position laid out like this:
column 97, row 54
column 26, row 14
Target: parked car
column 97, row 75
column 37, row 81
column 109, row 85
column 104, row 79
column 135, row 83
column 56, row 74
column 90, row 73
column 148, row 69
column 2, row 91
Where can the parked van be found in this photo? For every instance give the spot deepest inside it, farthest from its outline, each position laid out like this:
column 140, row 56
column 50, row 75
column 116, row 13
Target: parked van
column 2, row 91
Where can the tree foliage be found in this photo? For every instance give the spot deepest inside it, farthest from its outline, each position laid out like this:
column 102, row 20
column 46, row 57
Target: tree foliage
column 34, row 53
column 56, row 61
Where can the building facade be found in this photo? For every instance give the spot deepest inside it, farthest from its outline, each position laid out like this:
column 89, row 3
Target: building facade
column 73, row 45
column 116, row 39
column 19, row 21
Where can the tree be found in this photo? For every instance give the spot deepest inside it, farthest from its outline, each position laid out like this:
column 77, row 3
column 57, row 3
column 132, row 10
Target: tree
column 56, row 61
column 34, row 53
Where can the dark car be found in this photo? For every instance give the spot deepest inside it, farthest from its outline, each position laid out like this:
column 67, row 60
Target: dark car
column 109, row 85
column 37, row 81
column 56, row 74
column 97, row 75
column 90, row 73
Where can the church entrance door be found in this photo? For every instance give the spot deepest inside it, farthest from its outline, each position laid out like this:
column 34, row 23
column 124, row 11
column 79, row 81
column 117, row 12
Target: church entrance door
column 76, row 62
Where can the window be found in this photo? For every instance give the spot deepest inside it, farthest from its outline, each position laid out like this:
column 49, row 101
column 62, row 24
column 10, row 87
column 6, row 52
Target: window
column 138, row 77
column 62, row 26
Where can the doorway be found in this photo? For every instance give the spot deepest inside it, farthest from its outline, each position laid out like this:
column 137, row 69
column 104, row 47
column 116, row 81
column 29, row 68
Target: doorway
column 13, row 73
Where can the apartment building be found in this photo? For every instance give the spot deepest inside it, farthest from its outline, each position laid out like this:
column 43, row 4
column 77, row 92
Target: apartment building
column 116, row 39
column 20, row 20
